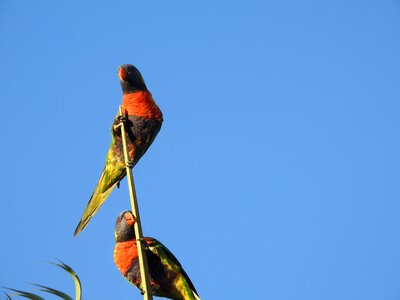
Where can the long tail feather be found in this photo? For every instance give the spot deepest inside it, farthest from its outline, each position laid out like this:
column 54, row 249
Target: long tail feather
column 196, row 296
column 103, row 189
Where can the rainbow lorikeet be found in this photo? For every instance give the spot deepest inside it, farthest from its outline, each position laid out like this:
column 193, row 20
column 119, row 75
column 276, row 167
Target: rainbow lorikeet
column 142, row 121
column 168, row 279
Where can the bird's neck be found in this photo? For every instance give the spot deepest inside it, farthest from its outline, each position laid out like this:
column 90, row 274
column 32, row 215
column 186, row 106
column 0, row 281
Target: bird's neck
column 141, row 104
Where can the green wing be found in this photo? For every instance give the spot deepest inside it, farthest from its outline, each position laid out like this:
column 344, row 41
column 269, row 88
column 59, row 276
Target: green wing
column 171, row 262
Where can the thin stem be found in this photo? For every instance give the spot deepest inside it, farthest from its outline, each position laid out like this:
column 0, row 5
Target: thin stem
column 144, row 269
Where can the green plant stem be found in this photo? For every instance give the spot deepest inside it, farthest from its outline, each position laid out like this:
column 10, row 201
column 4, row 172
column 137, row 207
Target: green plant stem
column 144, row 269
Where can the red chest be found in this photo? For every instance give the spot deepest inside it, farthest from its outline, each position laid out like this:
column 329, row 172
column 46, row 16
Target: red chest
column 141, row 104
column 124, row 255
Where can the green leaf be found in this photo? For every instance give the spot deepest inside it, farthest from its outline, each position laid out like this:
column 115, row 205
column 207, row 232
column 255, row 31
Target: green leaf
column 78, row 286
column 54, row 292
column 25, row 294
column 46, row 289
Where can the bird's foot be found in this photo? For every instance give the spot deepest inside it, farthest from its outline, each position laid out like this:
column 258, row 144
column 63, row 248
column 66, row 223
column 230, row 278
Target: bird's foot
column 153, row 287
column 117, row 127
column 122, row 119
column 129, row 163
column 119, row 120
column 151, row 292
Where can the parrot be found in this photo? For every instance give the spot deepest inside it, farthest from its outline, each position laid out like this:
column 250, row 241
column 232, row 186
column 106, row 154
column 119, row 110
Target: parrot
column 143, row 119
column 167, row 277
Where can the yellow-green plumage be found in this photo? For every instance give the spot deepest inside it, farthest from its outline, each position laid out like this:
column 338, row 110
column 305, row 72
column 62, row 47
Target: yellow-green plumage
column 184, row 287
column 140, row 134
column 143, row 120
column 114, row 171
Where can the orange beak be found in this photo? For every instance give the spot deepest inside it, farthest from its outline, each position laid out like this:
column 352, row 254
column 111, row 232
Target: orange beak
column 130, row 219
column 122, row 74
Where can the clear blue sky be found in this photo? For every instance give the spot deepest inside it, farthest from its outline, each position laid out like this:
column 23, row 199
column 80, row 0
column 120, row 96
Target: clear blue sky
column 274, row 176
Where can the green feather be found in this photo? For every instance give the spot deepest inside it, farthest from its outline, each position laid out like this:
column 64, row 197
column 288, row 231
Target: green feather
column 172, row 263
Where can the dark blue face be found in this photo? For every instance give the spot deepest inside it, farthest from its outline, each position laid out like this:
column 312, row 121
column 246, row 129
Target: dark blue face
column 131, row 79
column 124, row 227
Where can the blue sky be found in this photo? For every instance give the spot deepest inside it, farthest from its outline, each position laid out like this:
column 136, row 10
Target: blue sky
column 275, row 174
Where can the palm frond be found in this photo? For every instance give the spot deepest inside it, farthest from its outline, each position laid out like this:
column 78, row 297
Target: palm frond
column 46, row 289
column 53, row 291
column 77, row 282
column 24, row 294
